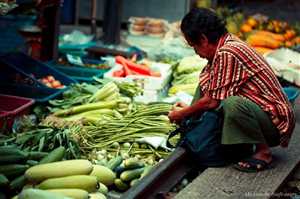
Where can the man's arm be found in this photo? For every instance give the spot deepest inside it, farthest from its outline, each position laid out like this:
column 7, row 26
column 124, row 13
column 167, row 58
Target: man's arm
column 203, row 104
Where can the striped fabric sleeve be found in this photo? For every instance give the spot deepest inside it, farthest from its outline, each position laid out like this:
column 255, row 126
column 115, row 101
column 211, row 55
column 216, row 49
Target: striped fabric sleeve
column 227, row 76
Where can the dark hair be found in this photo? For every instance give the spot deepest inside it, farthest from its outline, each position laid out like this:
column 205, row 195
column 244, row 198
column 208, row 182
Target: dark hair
column 202, row 21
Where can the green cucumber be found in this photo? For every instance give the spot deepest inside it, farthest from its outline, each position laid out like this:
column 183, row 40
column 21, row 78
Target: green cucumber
column 54, row 156
column 13, row 170
column 32, row 162
column 133, row 163
column 103, row 188
column 36, row 155
column 147, row 170
column 134, row 182
column 114, row 162
column 103, row 174
column 122, row 186
column 97, row 196
column 119, row 169
column 3, row 181
column 18, row 183
column 12, row 159
column 7, row 149
column 131, row 174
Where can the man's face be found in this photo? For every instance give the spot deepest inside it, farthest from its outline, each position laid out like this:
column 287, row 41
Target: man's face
column 201, row 48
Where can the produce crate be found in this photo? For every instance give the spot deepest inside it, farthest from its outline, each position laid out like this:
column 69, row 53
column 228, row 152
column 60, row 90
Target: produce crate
column 39, row 94
column 12, row 107
column 32, row 69
column 10, row 39
column 79, row 73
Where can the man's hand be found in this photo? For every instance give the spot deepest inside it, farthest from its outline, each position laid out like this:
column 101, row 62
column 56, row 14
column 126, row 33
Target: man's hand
column 179, row 105
column 176, row 116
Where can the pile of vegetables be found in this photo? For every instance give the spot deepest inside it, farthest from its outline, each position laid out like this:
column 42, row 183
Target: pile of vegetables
column 186, row 75
column 98, row 127
column 84, row 94
column 15, row 162
column 85, row 180
column 44, row 138
column 129, row 67
column 64, row 180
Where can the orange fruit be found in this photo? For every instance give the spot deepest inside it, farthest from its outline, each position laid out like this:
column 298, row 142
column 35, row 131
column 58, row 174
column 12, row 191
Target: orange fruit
column 296, row 40
column 289, row 34
column 288, row 44
column 246, row 28
column 252, row 22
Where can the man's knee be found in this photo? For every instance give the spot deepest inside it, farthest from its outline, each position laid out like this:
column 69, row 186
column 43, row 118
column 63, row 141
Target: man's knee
column 232, row 103
column 235, row 106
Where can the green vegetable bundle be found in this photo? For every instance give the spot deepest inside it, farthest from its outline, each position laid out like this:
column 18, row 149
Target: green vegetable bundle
column 147, row 120
column 45, row 139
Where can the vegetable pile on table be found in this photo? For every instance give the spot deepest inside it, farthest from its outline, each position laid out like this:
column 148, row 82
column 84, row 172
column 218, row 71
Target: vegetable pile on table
column 97, row 127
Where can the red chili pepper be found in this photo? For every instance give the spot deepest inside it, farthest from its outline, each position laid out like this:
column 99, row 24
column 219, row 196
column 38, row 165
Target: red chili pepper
column 119, row 73
column 137, row 68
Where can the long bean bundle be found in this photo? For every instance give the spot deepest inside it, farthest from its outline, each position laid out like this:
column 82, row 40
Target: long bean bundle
column 146, row 121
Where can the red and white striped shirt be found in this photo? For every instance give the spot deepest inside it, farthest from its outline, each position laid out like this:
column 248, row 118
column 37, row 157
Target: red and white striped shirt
column 238, row 70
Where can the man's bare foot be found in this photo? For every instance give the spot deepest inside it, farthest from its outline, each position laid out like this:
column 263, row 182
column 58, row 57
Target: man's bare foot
column 261, row 158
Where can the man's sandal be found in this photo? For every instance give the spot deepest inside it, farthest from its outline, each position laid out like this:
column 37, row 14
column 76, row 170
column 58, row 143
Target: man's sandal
column 255, row 165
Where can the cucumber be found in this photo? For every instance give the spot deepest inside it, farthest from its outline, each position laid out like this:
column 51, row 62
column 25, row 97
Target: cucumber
column 119, row 169
column 103, row 174
column 13, row 159
column 13, row 170
column 36, row 155
column 58, row 169
column 6, row 150
column 54, row 156
column 87, row 183
column 122, row 186
column 40, row 194
column 32, row 162
column 147, row 170
column 18, row 183
column 73, row 193
column 114, row 162
column 103, row 188
column 133, row 163
column 3, row 181
column 131, row 174
column 97, row 196
column 134, row 182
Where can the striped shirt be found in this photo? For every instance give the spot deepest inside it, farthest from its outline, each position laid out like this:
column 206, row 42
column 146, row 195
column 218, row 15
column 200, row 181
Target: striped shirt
column 237, row 70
